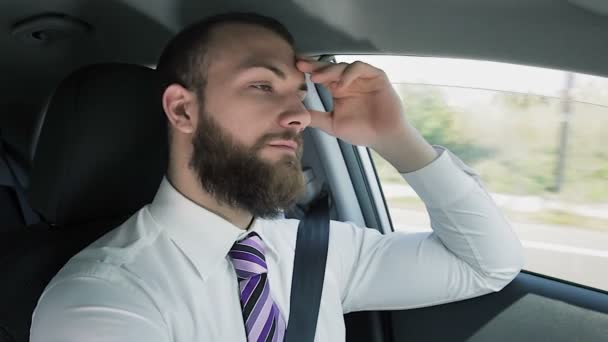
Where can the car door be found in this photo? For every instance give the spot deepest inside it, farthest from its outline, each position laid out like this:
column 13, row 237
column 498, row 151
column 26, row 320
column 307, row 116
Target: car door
column 561, row 293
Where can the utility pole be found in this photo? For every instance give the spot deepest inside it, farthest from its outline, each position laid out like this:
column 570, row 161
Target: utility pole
column 566, row 103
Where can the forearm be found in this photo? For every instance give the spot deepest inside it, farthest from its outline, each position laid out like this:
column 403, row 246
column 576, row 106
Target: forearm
column 407, row 151
column 472, row 250
column 465, row 218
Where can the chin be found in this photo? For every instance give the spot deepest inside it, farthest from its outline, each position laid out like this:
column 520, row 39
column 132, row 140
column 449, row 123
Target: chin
column 277, row 160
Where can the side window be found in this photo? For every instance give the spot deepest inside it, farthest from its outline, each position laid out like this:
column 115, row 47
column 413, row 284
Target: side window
column 539, row 139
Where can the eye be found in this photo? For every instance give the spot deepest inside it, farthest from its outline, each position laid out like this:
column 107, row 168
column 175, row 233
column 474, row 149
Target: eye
column 263, row 87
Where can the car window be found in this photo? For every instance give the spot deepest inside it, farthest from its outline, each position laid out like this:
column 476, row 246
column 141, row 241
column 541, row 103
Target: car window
column 538, row 138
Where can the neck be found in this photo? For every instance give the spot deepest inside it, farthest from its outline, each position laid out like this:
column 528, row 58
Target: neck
column 187, row 184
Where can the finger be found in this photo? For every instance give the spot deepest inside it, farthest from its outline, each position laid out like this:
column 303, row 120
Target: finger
column 357, row 70
column 322, row 120
column 330, row 73
column 309, row 66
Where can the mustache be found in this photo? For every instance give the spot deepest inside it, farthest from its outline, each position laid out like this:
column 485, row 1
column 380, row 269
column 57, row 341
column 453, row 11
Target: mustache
column 286, row 135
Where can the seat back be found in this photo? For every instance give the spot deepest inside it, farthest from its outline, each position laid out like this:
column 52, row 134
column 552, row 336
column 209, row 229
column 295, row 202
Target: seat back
column 101, row 155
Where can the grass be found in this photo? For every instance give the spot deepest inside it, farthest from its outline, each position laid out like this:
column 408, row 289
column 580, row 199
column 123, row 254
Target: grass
column 547, row 217
column 560, row 218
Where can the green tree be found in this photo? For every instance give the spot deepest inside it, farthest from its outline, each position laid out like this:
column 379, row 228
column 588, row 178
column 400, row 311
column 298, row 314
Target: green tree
column 428, row 110
column 520, row 101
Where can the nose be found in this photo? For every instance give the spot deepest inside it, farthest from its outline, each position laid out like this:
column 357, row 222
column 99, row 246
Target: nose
column 296, row 117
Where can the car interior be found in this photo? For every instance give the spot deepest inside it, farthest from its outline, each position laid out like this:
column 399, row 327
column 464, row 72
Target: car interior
column 83, row 140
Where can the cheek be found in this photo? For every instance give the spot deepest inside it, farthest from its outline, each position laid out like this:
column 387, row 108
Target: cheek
column 247, row 116
column 244, row 127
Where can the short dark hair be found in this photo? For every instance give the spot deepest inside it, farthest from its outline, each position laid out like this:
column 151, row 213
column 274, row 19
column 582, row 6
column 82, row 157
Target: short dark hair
column 183, row 59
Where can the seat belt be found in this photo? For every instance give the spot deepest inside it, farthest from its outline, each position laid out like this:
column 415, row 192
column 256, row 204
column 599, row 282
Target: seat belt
column 309, row 271
column 30, row 217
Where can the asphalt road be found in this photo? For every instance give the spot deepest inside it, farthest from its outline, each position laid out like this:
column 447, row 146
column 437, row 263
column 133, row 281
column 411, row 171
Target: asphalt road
column 577, row 255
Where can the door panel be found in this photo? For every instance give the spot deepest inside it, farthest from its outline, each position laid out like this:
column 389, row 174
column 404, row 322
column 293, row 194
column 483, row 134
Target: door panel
column 531, row 308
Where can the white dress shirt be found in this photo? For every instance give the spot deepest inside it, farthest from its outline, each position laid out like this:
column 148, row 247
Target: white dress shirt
column 164, row 274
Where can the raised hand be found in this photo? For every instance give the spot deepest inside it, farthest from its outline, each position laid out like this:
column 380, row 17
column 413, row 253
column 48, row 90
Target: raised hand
column 367, row 111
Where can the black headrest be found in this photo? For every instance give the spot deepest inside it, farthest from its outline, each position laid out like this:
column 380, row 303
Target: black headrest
column 102, row 149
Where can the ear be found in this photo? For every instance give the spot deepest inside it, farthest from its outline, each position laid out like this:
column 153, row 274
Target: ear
column 180, row 105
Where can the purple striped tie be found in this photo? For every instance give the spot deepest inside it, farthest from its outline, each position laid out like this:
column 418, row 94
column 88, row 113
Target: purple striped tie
column 263, row 321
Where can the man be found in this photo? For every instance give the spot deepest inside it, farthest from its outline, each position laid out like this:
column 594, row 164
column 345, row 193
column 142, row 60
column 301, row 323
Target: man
column 208, row 259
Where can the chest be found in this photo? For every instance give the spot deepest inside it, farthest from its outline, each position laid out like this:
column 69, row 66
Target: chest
column 210, row 310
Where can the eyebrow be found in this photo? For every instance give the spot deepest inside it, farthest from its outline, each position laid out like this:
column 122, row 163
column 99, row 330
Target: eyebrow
column 252, row 64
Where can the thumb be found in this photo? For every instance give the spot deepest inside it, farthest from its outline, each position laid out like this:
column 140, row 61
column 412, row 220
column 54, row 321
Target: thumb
column 322, row 120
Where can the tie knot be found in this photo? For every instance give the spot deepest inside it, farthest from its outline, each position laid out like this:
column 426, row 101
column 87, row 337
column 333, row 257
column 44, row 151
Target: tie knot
column 247, row 257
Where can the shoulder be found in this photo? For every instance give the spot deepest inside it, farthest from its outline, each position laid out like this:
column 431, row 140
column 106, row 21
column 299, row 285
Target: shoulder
column 78, row 306
column 111, row 273
column 286, row 230
column 119, row 257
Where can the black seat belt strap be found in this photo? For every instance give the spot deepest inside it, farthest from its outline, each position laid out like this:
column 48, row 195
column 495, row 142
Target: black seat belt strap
column 309, row 272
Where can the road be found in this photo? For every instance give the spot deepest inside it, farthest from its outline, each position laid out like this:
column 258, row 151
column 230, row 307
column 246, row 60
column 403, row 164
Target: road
column 577, row 255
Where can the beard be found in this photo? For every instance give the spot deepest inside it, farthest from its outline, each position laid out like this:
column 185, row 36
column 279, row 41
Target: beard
column 237, row 176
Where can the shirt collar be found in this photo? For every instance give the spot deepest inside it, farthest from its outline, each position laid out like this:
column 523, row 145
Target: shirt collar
column 205, row 237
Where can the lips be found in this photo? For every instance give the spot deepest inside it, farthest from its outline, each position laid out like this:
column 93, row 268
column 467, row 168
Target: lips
column 284, row 143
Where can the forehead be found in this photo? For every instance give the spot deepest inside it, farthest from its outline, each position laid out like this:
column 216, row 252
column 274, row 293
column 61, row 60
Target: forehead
column 233, row 44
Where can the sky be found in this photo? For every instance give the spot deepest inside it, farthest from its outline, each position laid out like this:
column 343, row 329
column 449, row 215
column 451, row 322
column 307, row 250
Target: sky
column 480, row 74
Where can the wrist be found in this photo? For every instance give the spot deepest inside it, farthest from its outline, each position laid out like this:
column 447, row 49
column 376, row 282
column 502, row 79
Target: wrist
column 408, row 151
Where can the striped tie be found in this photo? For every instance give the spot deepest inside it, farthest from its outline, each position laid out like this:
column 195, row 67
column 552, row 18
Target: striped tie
column 263, row 321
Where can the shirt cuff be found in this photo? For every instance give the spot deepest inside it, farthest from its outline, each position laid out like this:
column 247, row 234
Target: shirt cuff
column 445, row 180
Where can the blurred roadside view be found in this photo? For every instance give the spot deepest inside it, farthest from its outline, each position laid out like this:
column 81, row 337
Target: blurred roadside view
column 539, row 139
